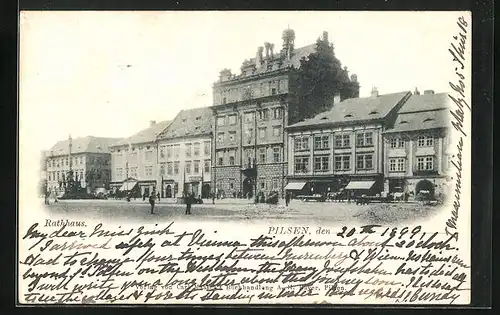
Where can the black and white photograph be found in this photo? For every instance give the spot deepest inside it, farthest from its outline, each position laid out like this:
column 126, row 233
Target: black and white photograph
column 244, row 157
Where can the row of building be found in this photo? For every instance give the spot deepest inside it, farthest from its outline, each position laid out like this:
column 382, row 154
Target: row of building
column 252, row 140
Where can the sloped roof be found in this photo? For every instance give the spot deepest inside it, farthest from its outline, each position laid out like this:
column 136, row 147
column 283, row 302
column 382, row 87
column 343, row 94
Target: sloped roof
column 423, row 112
column 189, row 122
column 146, row 135
column 423, row 102
column 87, row 144
column 356, row 109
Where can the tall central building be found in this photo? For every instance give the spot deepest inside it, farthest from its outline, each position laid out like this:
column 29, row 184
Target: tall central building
column 251, row 111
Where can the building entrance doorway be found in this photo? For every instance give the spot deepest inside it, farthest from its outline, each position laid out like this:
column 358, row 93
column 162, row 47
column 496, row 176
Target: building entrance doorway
column 247, row 188
column 205, row 191
column 168, row 191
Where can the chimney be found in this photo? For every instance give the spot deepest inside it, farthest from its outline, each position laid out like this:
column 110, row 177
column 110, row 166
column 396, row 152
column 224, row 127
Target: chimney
column 258, row 57
column 428, row 92
column 267, row 46
column 374, row 92
column 417, row 92
column 152, row 123
column 336, row 99
column 271, row 49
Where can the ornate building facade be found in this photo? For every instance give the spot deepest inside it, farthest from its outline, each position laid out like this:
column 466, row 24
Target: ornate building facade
column 184, row 154
column 135, row 161
column 417, row 146
column 343, row 147
column 88, row 158
column 251, row 111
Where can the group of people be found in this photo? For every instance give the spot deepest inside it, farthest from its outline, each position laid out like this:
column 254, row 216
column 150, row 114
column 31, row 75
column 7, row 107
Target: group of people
column 188, row 199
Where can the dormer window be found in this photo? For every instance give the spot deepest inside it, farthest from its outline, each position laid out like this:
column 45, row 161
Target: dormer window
column 428, row 119
column 373, row 112
column 324, row 118
column 198, row 118
column 403, row 122
column 348, row 116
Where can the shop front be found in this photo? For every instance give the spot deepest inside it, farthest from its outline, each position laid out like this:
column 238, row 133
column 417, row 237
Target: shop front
column 193, row 185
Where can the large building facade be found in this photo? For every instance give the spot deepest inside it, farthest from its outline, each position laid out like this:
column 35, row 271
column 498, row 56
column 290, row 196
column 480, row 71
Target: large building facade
column 185, row 154
column 343, row 147
column 417, row 147
column 135, row 161
column 251, row 112
column 88, row 158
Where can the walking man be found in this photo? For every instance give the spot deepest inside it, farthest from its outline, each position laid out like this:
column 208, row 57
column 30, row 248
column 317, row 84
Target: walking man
column 152, row 198
column 188, row 203
column 287, row 198
column 158, row 195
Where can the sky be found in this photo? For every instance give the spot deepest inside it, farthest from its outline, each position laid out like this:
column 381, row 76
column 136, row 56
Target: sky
column 109, row 73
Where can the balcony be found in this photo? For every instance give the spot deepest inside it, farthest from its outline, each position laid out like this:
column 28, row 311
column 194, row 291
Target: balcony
column 249, row 169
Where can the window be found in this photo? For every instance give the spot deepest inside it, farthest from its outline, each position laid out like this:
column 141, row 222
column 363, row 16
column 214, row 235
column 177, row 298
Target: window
column 275, row 183
column 321, row 142
column 262, row 155
column 148, row 156
column 342, row 141
column 206, row 147
column 397, row 165
column 301, row 143
column 364, row 139
column 148, row 171
column 397, row 143
column 207, row 166
column 249, row 117
column 262, row 133
column 220, row 137
column 277, row 113
column 196, row 167
column 133, row 172
column 277, row 131
column 264, row 114
column 342, row 162
column 220, row 158
column 425, row 163
column 364, row 161
column 276, row 155
column 169, row 151
column 262, row 184
column 169, row 168
column 177, row 150
column 162, row 152
column 188, row 149
column 224, row 100
column 273, row 91
column 220, row 121
column 321, row 163
column 231, row 159
column 232, row 136
column 176, row 167
column 188, row 167
column 301, row 165
column 425, row 141
column 232, row 119
column 196, row 148
column 162, row 169
column 231, row 185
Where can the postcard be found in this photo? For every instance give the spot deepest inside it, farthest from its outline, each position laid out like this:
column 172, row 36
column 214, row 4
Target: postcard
column 244, row 157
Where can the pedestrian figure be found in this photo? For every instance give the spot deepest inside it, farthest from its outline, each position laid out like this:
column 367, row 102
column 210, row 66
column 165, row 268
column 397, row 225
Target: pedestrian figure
column 188, row 203
column 158, row 195
column 144, row 197
column 287, row 198
column 47, row 195
column 152, row 199
column 213, row 198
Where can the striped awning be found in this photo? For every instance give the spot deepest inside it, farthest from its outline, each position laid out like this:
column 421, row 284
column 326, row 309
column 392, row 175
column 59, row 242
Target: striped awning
column 129, row 185
column 365, row 184
column 295, row 186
